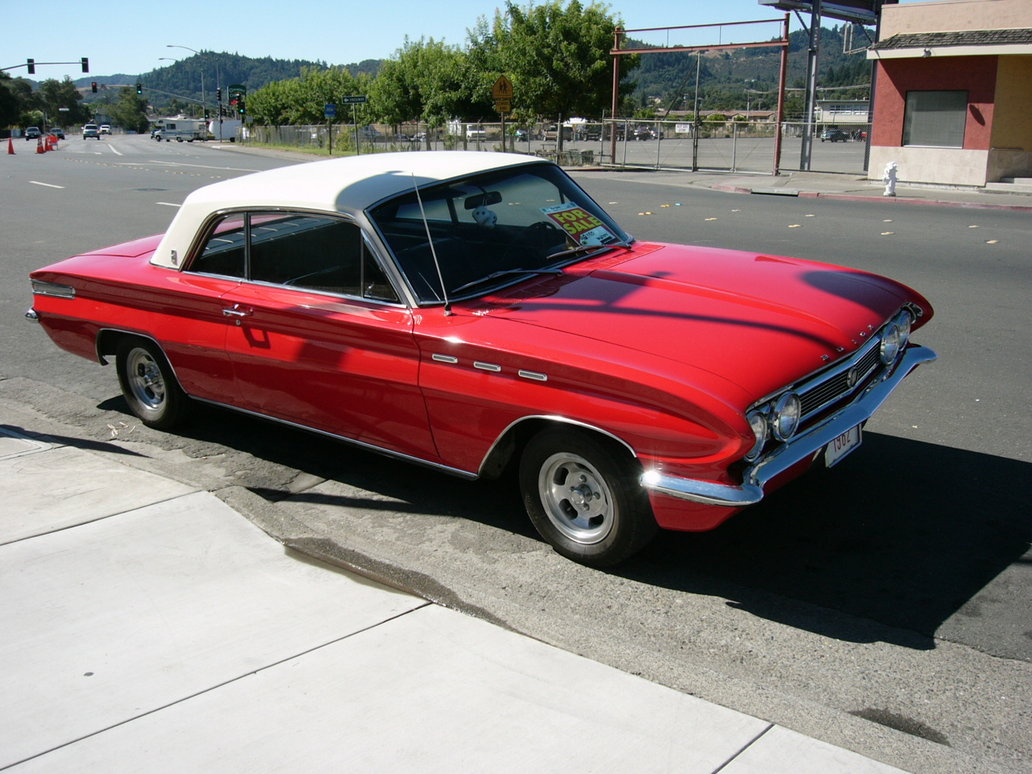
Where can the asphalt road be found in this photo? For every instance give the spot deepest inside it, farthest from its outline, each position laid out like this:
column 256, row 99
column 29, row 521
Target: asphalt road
column 882, row 606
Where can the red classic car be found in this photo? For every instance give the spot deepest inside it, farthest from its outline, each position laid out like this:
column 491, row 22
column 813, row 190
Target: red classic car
column 479, row 313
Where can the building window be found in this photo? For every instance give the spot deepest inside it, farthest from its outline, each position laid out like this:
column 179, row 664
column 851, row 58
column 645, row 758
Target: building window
column 935, row 118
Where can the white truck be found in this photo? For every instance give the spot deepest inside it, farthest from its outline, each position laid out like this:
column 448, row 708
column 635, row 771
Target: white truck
column 226, row 130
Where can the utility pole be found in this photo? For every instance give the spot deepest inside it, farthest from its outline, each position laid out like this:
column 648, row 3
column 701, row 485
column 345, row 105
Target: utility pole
column 811, row 85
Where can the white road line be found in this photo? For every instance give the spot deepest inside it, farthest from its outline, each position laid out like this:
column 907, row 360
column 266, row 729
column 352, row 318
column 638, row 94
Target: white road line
column 201, row 166
column 115, row 150
column 47, row 185
column 169, row 204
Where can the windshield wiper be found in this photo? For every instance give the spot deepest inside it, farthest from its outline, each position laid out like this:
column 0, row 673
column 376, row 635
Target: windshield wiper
column 503, row 273
column 587, row 249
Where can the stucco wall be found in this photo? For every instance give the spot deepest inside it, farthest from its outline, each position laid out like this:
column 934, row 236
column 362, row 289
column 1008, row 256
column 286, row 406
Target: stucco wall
column 955, row 15
column 976, row 75
column 941, row 166
column 1012, row 121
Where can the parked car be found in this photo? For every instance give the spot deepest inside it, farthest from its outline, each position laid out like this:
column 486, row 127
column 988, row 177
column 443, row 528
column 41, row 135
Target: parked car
column 33, row 133
column 834, row 135
column 551, row 133
column 105, row 128
column 58, row 132
column 90, row 130
column 480, row 314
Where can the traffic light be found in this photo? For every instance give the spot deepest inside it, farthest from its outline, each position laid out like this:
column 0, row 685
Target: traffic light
column 85, row 64
column 241, row 108
column 31, row 64
column 218, row 95
column 139, row 88
column 93, row 86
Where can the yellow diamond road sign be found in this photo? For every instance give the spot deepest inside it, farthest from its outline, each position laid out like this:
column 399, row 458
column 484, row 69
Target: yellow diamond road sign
column 502, row 89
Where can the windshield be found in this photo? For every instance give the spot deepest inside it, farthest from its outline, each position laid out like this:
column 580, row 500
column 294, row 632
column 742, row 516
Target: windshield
column 491, row 230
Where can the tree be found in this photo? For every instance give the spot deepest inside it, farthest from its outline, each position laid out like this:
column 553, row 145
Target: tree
column 11, row 98
column 556, row 57
column 130, row 112
column 62, row 102
column 431, row 82
column 303, row 100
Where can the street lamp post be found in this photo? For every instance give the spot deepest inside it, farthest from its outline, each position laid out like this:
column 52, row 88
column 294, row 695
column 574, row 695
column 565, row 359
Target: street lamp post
column 204, row 104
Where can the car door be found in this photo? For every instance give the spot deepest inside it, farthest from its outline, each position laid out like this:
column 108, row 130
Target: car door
column 320, row 338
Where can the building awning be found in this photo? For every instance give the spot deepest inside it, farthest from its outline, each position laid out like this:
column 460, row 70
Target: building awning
column 963, row 43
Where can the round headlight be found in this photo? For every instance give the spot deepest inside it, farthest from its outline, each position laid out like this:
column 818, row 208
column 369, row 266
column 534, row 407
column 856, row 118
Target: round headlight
column 758, row 423
column 890, row 343
column 785, row 419
column 904, row 321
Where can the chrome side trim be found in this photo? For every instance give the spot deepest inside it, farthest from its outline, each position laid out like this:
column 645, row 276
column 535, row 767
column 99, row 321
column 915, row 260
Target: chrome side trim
column 534, row 376
column 798, row 449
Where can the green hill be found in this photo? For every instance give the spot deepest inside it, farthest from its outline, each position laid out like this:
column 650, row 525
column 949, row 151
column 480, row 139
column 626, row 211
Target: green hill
column 181, row 80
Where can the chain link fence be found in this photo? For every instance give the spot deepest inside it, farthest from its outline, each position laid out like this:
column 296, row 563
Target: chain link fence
column 709, row 145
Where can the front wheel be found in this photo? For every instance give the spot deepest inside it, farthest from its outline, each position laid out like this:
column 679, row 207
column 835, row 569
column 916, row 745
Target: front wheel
column 583, row 495
column 148, row 384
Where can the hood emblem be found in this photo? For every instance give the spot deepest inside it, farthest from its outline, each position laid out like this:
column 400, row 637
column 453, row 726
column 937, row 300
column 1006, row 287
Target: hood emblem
column 853, row 376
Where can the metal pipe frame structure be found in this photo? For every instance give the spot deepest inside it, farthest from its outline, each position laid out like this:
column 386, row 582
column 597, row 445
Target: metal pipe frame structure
column 616, row 52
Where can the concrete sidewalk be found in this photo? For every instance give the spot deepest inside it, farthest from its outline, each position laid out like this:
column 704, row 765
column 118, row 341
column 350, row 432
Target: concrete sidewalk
column 828, row 185
column 149, row 627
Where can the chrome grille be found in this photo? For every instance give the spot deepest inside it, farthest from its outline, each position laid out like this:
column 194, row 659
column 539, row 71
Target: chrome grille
column 837, row 383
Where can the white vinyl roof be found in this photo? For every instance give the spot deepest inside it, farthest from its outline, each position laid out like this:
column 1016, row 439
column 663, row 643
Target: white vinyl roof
column 347, row 185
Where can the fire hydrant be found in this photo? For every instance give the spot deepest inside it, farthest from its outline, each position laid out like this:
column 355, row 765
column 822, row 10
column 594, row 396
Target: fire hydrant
column 889, row 178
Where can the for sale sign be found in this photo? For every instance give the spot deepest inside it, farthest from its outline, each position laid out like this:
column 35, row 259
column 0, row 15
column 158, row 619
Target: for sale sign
column 585, row 228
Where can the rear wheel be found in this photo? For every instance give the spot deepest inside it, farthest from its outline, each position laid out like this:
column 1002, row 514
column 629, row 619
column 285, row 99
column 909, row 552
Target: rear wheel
column 148, row 384
column 583, row 494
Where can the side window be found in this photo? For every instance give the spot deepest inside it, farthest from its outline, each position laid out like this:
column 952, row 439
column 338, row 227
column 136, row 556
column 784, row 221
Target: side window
column 223, row 252
column 315, row 252
column 375, row 285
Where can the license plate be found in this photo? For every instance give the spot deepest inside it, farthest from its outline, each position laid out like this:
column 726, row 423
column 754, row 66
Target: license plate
column 841, row 446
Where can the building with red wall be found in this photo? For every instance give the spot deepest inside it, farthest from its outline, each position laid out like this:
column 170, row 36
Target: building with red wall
column 953, row 91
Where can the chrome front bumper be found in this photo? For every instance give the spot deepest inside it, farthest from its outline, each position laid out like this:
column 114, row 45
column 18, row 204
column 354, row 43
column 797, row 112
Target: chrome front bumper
column 799, row 448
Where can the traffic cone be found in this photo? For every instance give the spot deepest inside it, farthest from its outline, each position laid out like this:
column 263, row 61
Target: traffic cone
column 39, row 146
column 10, row 147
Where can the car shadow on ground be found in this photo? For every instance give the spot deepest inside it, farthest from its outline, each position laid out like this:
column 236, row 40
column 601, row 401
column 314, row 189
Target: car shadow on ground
column 379, row 482
column 885, row 547
column 899, row 537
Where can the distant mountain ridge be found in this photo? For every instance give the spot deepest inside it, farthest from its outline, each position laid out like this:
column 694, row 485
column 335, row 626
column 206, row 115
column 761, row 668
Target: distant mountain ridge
column 183, row 78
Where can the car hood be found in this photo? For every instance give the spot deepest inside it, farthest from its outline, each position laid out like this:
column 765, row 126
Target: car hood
column 759, row 321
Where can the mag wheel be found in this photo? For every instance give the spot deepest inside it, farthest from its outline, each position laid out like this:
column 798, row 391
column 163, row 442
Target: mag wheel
column 583, row 495
column 148, row 384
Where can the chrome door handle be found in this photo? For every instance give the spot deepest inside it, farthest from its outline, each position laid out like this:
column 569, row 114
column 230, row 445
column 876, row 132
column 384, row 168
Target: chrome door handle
column 236, row 311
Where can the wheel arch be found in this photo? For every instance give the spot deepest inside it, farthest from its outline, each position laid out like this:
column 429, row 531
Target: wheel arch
column 505, row 450
column 110, row 339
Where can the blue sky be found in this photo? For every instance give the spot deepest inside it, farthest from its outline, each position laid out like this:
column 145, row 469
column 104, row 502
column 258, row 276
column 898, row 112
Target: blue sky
column 132, row 38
